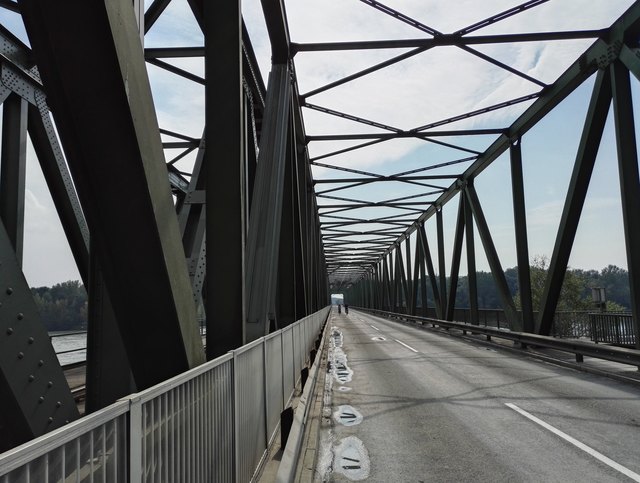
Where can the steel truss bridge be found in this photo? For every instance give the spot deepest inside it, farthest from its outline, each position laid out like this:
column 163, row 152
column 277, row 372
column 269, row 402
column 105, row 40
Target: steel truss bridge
column 246, row 235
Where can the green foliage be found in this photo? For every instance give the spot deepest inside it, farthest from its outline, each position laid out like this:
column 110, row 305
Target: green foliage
column 575, row 294
column 615, row 307
column 614, row 279
column 572, row 296
column 63, row 306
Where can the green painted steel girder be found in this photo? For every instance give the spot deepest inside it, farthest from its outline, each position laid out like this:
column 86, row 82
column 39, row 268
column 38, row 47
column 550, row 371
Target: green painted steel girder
column 107, row 127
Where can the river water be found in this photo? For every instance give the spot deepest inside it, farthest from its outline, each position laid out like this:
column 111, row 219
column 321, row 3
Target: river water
column 69, row 346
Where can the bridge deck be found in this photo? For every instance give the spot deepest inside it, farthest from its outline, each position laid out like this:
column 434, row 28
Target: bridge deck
column 436, row 408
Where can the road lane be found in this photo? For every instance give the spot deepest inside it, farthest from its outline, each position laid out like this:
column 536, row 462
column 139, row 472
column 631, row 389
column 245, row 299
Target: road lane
column 440, row 414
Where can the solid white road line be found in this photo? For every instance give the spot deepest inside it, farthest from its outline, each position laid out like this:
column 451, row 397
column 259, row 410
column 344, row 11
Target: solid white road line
column 374, row 327
column 407, row 346
column 587, row 449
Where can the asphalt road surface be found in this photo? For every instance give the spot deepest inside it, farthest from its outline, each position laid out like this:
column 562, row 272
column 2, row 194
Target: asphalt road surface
column 412, row 405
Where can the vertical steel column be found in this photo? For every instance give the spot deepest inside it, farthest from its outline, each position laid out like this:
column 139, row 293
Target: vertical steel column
column 582, row 169
column 393, row 274
column 401, row 281
column 299, row 183
column 12, row 175
column 224, row 164
column 314, row 274
column 386, row 296
column 492, row 258
column 424, row 243
column 393, row 288
column 417, row 263
column 286, row 276
column 629, row 182
column 263, row 240
column 455, row 261
column 380, row 292
column 471, row 261
column 522, row 246
column 365, row 289
column 108, row 376
column 408, row 282
column 423, row 285
column 309, row 241
column 441, row 262
column 192, row 221
column 377, row 287
column 303, row 217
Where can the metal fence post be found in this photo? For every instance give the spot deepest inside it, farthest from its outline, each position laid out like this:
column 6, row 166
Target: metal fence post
column 293, row 356
column 264, row 391
column 284, row 396
column 236, row 416
column 135, row 440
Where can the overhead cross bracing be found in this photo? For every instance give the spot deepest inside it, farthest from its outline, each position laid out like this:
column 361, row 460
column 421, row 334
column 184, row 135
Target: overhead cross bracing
column 241, row 203
column 359, row 199
column 514, row 97
column 391, row 137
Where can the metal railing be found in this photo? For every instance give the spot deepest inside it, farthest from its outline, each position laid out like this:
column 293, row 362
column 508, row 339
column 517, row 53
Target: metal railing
column 212, row 423
column 573, row 324
column 613, row 328
column 579, row 348
column 93, row 448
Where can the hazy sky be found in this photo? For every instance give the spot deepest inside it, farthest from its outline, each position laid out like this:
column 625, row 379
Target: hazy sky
column 431, row 86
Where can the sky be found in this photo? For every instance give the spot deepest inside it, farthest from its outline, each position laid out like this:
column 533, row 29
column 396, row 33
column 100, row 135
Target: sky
column 429, row 87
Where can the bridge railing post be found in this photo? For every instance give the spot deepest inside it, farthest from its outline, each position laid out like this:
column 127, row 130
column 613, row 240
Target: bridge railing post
column 265, row 383
column 135, row 439
column 236, row 418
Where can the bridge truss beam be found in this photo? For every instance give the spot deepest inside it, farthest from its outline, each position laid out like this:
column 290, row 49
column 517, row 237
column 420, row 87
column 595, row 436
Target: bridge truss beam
column 614, row 54
column 146, row 269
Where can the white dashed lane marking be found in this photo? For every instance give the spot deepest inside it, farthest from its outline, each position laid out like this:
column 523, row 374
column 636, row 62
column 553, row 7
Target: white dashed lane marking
column 407, row 346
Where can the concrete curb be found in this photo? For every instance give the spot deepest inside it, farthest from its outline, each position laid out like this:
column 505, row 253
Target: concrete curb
column 291, row 453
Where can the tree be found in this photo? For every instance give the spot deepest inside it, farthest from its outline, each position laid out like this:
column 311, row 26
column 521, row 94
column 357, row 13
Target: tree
column 572, row 296
column 63, row 306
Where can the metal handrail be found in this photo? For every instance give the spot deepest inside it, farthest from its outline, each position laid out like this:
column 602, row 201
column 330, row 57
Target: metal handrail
column 63, row 334
column 32, row 450
column 579, row 348
column 169, row 384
